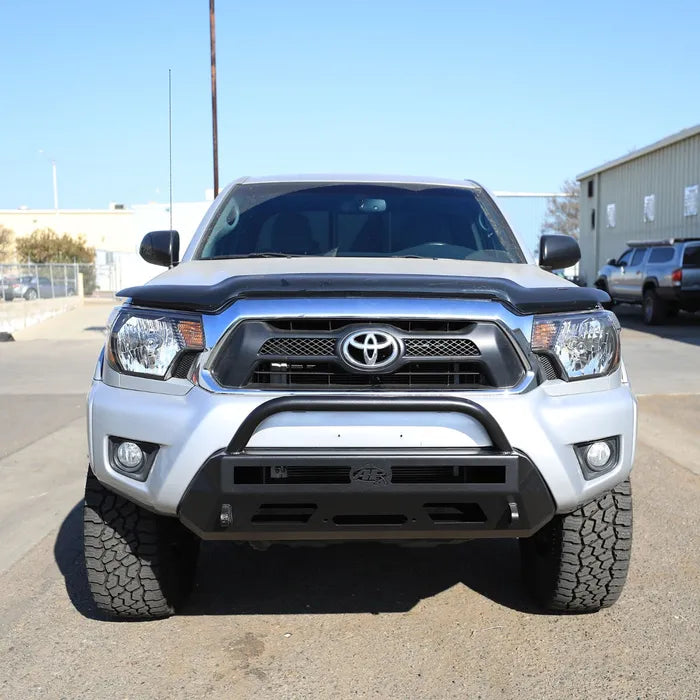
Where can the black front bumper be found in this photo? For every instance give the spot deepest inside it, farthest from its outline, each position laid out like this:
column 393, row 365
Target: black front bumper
column 283, row 494
column 471, row 494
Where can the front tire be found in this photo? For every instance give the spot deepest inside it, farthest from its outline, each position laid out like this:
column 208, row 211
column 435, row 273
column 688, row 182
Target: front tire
column 31, row 295
column 578, row 562
column 654, row 309
column 140, row 565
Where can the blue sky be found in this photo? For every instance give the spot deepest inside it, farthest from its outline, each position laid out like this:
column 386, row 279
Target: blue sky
column 516, row 95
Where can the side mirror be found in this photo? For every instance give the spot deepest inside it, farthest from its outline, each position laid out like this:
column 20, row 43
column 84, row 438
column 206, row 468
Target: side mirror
column 558, row 251
column 161, row 248
column 613, row 262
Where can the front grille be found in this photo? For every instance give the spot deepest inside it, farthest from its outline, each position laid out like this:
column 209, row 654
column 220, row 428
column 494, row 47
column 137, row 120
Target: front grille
column 303, row 354
column 331, row 375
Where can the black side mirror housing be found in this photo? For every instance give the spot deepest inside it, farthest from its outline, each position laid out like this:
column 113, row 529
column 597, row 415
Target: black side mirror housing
column 161, row 248
column 613, row 262
column 558, row 251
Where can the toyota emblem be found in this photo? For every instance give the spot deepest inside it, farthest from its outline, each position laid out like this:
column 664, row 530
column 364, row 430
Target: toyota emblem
column 370, row 350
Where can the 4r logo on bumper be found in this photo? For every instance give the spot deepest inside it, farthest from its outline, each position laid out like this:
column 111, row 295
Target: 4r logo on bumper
column 371, row 475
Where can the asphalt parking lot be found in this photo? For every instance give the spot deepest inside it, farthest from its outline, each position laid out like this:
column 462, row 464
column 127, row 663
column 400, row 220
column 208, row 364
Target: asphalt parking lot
column 349, row 620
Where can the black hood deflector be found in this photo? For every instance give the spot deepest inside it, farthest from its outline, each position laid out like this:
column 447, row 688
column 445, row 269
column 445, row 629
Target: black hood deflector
column 213, row 298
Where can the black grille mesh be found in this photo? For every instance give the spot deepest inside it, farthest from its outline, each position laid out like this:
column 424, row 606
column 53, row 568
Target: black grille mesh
column 182, row 367
column 324, row 347
column 440, row 347
column 298, row 347
column 548, row 367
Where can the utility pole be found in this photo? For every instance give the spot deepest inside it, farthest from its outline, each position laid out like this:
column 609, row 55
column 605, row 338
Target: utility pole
column 212, row 41
column 55, row 179
column 55, row 186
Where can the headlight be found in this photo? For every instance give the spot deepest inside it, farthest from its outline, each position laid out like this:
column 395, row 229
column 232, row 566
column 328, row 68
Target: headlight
column 147, row 342
column 584, row 345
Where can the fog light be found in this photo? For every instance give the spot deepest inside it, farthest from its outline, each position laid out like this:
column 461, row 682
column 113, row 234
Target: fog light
column 129, row 456
column 598, row 455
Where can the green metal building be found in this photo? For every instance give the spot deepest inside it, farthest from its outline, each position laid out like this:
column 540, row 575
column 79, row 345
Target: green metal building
column 650, row 194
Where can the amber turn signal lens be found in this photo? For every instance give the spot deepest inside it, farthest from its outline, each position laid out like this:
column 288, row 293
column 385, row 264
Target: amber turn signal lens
column 543, row 335
column 192, row 333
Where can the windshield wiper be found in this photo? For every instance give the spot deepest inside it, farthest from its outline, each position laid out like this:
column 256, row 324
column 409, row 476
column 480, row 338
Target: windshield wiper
column 414, row 257
column 255, row 255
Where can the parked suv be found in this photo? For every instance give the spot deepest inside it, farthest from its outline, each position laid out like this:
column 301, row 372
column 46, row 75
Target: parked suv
column 353, row 358
column 663, row 276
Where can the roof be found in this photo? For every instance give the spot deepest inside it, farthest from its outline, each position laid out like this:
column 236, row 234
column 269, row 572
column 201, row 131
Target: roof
column 666, row 241
column 363, row 178
column 663, row 143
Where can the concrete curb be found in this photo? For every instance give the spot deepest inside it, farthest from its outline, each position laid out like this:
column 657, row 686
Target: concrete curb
column 18, row 314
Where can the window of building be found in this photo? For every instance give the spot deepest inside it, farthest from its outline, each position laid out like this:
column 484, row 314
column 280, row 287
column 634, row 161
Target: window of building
column 690, row 201
column 590, row 188
column 637, row 257
column 661, row 255
column 611, row 215
column 592, row 218
column 649, row 208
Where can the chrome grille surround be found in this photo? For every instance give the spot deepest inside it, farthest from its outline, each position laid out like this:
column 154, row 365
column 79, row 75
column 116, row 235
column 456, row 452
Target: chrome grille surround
column 266, row 355
column 297, row 314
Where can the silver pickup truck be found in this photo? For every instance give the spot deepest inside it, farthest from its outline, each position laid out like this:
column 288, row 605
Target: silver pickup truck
column 358, row 358
column 662, row 276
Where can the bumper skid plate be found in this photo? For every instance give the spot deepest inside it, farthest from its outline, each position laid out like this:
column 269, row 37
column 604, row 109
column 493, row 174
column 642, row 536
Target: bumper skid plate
column 289, row 494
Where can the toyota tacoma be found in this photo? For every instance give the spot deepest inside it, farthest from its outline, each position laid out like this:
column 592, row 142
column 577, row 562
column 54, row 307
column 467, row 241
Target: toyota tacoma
column 662, row 276
column 343, row 358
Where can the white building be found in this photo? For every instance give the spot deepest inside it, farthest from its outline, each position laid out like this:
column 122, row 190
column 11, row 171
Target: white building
column 114, row 233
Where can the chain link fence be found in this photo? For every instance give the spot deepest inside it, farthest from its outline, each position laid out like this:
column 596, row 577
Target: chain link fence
column 30, row 281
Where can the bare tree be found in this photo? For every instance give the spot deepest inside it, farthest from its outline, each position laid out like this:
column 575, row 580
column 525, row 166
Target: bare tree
column 7, row 244
column 562, row 212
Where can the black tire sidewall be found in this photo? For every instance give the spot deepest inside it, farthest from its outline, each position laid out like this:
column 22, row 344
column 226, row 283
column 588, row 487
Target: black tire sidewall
column 160, row 562
column 653, row 308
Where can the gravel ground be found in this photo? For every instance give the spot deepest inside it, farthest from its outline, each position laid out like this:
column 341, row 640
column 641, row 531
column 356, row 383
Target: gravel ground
column 360, row 620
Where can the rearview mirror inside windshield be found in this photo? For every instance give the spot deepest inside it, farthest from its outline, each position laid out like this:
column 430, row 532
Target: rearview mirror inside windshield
column 372, row 205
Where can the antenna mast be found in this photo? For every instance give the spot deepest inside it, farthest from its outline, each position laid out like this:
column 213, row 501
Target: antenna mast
column 170, row 143
column 212, row 40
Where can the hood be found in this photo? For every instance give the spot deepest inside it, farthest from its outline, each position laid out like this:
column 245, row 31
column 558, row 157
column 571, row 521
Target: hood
column 212, row 285
column 211, row 272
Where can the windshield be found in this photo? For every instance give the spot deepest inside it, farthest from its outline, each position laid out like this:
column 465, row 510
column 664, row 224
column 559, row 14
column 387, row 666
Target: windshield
column 359, row 220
